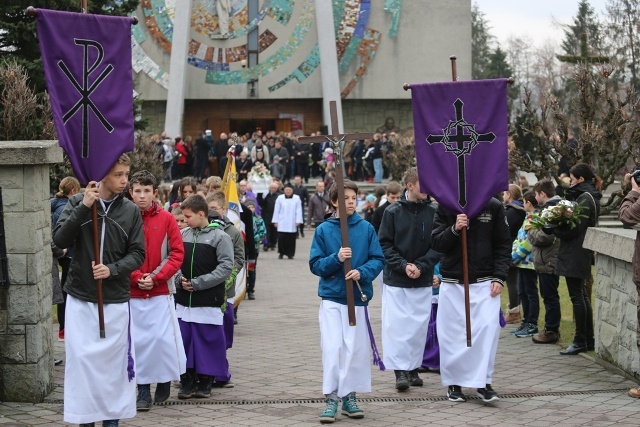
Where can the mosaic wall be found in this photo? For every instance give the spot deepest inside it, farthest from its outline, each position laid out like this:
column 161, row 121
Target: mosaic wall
column 283, row 26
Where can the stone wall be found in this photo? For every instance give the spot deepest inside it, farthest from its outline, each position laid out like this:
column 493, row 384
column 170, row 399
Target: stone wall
column 615, row 318
column 26, row 355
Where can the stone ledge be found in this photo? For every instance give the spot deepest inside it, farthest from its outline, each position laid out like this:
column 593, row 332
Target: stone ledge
column 29, row 152
column 617, row 243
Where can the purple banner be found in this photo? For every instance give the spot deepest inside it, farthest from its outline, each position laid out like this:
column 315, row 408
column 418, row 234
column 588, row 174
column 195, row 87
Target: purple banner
column 461, row 142
column 87, row 65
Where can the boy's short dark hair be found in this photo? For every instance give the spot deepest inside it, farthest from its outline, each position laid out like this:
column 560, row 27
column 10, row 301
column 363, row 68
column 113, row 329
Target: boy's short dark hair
column 143, row 178
column 530, row 196
column 195, row 203
column 545, row 186
column 348, row 185
column 394, row 187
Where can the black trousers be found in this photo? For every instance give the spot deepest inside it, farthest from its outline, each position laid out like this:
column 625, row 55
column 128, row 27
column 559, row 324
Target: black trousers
column 272, row 235
column 582, row 311
column 287, row 244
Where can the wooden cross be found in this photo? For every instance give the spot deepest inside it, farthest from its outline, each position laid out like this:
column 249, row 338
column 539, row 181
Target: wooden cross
column 584, row 54
column 336, row 139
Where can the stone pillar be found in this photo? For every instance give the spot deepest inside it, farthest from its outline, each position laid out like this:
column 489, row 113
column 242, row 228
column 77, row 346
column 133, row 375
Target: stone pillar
column 615, row 301
column 26, row 352
column 328, row 62
column 178, row 69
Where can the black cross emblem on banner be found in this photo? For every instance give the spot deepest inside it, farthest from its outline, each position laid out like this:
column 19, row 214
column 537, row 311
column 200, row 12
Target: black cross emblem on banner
column 456, row 141
column 85, row 90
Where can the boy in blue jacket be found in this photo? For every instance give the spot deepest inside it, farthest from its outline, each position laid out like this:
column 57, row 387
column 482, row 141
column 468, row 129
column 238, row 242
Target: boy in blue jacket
column 344, row 348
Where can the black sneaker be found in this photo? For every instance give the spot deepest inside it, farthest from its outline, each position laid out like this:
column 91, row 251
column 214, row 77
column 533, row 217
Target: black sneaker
column 204, row 387
column 250, row 296
column 188, row 386
column 414, row 379
column 143, row 402
column 488, row 394
column 454, row 394
column 402, row 382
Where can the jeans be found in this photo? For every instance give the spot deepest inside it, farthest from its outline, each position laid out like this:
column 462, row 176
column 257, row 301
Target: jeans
column 549, row 291
column 512, row 287
column 528, row 292
column 377, row 170
column 582, row 312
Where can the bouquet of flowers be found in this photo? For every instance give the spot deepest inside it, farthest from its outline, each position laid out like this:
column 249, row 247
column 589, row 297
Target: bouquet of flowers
column 565, row 213
column 259, row 171
column 259, row 178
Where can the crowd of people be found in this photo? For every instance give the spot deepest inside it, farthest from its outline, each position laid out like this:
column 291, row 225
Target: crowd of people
column 169, row 263
column 280, row 153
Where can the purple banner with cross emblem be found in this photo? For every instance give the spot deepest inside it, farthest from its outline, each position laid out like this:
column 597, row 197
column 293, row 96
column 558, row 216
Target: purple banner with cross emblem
column 87, row 66
column 461, row 142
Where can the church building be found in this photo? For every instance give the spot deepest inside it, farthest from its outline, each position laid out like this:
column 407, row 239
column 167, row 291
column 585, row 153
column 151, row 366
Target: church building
column 239, row 65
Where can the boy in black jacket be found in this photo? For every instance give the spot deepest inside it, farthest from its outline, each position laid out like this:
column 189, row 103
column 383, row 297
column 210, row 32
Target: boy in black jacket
column 405, row 238
column 489, row 256
column 90, row 359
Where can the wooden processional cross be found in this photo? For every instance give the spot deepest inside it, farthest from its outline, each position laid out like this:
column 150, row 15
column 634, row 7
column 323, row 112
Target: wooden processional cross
column 336, row 141
column 584, row 54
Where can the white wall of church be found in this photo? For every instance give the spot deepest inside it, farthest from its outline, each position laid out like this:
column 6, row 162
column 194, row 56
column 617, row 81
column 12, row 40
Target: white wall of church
column 429, row 31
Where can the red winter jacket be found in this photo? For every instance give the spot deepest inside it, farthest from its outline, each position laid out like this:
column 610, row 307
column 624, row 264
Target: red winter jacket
column 181, row 147
column 164, row 252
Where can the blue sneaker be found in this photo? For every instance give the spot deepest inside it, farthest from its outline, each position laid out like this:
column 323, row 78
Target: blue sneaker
column 330, row 410
column 350, row 407
column 528, row 331
column 518, row 329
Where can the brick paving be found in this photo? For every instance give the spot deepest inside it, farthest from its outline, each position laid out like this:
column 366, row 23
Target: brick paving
column 275, row 364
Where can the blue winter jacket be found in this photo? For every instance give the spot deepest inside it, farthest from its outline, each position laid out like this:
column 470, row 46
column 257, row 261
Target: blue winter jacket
column 366, row 257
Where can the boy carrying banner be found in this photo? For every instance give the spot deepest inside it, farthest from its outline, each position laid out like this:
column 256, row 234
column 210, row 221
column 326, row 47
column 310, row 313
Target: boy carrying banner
column 99, row 379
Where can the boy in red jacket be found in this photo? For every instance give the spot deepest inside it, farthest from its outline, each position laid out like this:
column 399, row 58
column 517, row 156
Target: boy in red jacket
column 160, row 356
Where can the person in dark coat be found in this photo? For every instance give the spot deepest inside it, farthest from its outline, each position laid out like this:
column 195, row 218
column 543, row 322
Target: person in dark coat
column 267, row 204
column 357, row 154
column 574, row 261
column 301, row 191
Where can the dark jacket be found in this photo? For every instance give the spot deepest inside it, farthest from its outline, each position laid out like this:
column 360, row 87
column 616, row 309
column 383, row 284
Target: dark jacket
column 488, row 244
column 318, row 208
column 405, row 237
column 303, row 193
column 545, row 246
column 357, row 152
column 573, row 259
column 515, row 214
column 207, row 263
column 629, row 214
column 376, row 219
column 268, row 204
column 123, row 247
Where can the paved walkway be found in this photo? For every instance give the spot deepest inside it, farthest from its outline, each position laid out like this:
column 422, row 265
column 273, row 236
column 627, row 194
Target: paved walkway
column 275, row 363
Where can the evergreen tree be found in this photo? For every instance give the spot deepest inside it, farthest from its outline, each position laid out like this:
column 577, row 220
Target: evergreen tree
column 481, row 40
column 623, row 30
column 584, row 23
